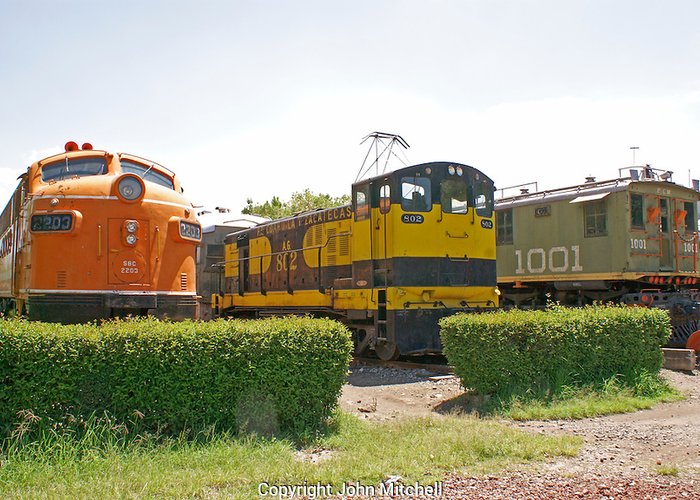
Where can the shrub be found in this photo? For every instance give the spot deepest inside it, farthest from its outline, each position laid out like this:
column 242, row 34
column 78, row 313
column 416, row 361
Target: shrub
column 281, row 374
column 519, row 350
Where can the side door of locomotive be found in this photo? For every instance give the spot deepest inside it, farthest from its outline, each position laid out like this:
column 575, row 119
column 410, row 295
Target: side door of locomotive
column 667, row 260
column 372, row 234
column 22, row 207
column 380, row 201
column 243, row 245
column 362, row 236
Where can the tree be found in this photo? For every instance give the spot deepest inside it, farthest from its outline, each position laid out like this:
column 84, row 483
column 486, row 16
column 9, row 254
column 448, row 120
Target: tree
column 299, row 202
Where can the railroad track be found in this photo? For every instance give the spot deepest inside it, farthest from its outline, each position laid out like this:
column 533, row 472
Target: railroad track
column 404, row 365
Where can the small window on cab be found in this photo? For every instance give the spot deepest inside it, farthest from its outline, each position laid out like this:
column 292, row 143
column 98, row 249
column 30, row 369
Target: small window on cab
column 147, row 173
column 504, row 227
column 453, row 196
column 663, row 206
column 690, row 218
column 415, row 194
column 637, row 211
column 483, row 198
column 595, row 219
column 73, row 167
column 384, row 198
column 362, row 202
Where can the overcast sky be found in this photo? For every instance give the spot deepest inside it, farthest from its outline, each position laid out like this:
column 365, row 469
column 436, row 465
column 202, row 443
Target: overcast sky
column 260, row 98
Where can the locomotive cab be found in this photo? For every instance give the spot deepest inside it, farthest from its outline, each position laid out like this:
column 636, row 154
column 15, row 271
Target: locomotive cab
column 96, row 235
column 423, row 240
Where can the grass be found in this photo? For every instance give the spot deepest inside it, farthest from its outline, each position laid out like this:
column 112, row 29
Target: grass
column 667, row 470
column 102, row 458
column 610, row 397
column 106, row 461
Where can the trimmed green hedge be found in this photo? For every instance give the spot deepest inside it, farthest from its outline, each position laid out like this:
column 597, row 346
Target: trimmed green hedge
column 517, row 350
column 274, row 375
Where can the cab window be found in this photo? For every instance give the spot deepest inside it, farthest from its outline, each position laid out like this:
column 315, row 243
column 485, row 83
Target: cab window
column 595, row 219
column 637, row 211
column 453, row 196
column 663, row 206
column 690, row 219
column 415, row 194
column 362, row 203
column 384, row 198
column 147, row 173
column 73, row 167
column 483, row 198
column 504, row 227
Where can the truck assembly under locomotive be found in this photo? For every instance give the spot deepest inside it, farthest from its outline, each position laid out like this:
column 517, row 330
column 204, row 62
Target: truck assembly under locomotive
column 631, row 240
column 415, row 245
column 89, row 234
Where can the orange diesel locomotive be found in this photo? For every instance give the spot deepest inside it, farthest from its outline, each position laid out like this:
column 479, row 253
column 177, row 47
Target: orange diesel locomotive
column 89, row 234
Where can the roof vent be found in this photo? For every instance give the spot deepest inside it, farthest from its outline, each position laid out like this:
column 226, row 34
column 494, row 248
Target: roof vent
column 524, row 191
column 590, row 179
column 223, row 210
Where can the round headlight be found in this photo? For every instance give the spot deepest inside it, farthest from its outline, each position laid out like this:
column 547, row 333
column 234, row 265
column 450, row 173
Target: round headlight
column 131, row 226
column 130, row 188
column 460, row 171
column 428, row 170
column 131, row 239
column 451, row 170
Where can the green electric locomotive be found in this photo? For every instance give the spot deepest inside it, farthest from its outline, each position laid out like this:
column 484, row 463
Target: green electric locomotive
column 631, row 240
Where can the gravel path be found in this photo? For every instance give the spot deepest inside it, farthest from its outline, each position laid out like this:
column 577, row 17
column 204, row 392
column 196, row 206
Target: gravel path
column 664, row 437
column 555, row 486
column 647, row 454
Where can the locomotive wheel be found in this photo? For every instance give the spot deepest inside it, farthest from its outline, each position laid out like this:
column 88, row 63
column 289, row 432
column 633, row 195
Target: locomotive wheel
column 694, row 341
column 387, row 351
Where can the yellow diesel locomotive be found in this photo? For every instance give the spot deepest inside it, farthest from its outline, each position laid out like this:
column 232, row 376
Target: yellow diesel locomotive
column 415, row 245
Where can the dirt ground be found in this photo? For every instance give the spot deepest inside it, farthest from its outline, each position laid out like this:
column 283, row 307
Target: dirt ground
column 379, row 393
column 628, row 449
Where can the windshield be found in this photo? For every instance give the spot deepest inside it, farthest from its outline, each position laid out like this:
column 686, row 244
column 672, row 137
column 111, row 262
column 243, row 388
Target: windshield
column 415, row 194
column 453, row 196
column 483, row 197
column 75, row 167
column 147, row 173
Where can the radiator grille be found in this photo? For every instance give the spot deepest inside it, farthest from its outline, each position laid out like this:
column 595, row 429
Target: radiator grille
column 314, row 236
column 345, row 245
column 332, row 241
column 61, row 278
column 183, row 281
